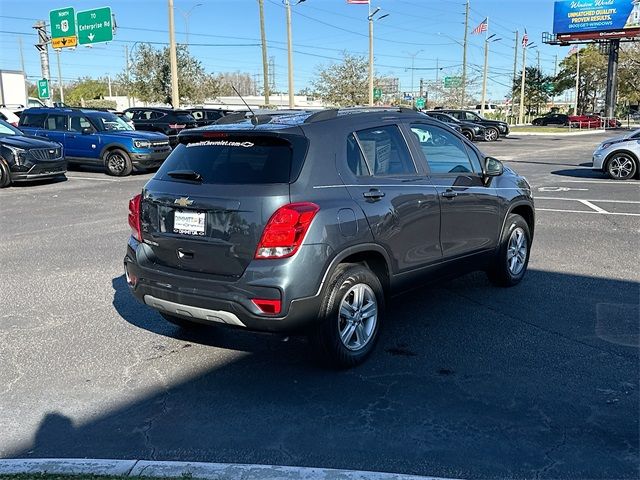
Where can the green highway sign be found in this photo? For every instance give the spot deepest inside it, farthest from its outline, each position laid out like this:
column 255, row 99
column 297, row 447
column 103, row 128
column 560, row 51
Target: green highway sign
column 94, row 26
column 450, row 82
column 63, row 22
column 420, row 102
column 43, row 88
column 377, row 93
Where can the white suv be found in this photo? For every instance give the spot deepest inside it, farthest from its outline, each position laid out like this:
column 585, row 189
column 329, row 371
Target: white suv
column 619, row 157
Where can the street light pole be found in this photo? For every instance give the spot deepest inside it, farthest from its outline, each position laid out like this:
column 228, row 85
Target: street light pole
column 175, row 96
column 186, row 16
column 371, row 18
column 486, row 70
column 413, row 58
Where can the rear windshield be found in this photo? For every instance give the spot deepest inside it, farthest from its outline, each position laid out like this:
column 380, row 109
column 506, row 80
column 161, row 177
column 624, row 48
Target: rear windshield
column 238, row 159
column 184, row 117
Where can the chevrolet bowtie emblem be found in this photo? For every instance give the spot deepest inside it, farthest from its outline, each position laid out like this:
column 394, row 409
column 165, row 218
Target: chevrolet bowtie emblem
column 183, row 202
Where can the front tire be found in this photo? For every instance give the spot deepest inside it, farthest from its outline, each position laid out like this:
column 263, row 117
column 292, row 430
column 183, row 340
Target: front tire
column 5, row 174
column 468, row 134
column 491, row 134
column 512, row 259
column 622, row 166
column 350, row 317
column 118, row 163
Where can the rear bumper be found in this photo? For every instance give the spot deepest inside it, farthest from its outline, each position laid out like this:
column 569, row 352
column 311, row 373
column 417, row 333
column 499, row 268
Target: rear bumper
column 205, row 299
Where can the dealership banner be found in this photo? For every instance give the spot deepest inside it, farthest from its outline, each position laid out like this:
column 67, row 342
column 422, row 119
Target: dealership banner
column 578, row 16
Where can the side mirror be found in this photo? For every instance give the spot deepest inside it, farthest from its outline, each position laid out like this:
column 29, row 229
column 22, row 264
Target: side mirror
column 87, row 131
column 493, row 167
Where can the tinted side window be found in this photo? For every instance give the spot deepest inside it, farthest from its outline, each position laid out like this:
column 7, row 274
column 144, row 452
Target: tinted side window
column 475, row 160
column 32, row 120
column 56, row 122
column 79, row 122
column 445, row 153
column 385, row 151
column 355, row 158
column 469, row 116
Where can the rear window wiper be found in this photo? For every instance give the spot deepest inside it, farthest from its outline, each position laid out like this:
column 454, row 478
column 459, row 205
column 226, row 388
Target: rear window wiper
column 186, row 175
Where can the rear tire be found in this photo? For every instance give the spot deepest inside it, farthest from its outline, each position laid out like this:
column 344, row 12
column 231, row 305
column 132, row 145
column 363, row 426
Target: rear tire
column 350, row 317
column 5, row 174
column 512, row 259
column 622, row 166
column 118, row 163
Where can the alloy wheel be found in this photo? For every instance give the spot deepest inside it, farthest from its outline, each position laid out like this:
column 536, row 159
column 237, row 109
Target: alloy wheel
column 621, row 167
column 517, row 251
column 116, row 163
column 491, row 135
column 357, row 317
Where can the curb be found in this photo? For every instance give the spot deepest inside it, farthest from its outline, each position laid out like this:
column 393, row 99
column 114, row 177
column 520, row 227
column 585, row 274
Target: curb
column 562, row 134
column 211, row 471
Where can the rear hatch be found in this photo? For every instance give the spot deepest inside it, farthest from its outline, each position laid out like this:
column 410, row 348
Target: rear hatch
column 205, row 209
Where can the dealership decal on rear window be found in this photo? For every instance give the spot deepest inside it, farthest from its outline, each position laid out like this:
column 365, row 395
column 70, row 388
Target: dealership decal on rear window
column 220, row 143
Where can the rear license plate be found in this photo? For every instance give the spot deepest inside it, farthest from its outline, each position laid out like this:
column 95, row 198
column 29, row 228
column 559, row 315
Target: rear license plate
column 188, row 223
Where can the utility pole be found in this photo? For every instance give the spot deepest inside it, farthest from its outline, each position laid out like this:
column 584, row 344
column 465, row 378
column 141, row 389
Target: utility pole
column 555, row 73
column 522, row 82
column 421, row 87
column 290, row 55
column 272, row 74
column 612, row 78
column 413, row 58
column 515, row 70
column 59, row 77
column 265, row 64
column 437, row 69
column 175, row 96
column 370, row 57
column 43, row 47
column 575, row 105
column 539, row 70
column 464, row 55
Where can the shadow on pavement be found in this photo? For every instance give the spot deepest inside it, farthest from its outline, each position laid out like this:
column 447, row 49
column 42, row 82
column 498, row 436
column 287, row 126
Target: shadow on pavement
column 580, row 173
column 540, row 380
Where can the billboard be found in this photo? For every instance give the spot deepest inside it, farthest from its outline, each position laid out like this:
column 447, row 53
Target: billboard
column 591, row 16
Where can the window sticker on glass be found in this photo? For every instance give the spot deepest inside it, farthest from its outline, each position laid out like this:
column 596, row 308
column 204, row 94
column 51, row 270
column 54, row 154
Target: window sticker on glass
column 220, row 143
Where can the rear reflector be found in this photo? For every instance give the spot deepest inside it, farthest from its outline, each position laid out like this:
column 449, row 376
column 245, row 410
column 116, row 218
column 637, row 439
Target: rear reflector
column 267, row 306
column 134, row 217
column 286, row 230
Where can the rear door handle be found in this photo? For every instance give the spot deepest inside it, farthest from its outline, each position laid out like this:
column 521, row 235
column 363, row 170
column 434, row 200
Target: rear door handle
column 373, row 194
column 449, row 194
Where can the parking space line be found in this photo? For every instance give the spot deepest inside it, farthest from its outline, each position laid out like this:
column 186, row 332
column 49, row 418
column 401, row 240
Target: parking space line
column 97, row 179
column 587, row 211
column 587, row 200
column 594, row 207
column 606, row 182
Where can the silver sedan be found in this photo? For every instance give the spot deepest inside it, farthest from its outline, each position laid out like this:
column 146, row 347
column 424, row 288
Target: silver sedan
column 619, row 157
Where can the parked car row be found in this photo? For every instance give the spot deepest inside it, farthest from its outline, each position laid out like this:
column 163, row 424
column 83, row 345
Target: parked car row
column 576, row 121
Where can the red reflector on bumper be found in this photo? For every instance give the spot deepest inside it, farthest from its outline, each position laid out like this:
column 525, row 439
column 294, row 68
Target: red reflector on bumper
column 268, row 306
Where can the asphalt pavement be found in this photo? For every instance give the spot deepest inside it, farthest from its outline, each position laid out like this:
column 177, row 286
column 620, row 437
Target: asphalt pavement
column 468, row 380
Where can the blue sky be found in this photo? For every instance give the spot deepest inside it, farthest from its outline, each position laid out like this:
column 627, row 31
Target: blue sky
column 224, row 35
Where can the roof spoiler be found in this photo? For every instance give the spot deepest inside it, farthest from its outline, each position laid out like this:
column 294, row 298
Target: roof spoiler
column 334, row 112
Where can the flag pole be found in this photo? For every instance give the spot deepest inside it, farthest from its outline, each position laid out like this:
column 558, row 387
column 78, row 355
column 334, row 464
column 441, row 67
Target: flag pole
column 486, row 65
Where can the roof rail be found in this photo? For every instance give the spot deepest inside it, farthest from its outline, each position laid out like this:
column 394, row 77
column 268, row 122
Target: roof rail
column 335, row 112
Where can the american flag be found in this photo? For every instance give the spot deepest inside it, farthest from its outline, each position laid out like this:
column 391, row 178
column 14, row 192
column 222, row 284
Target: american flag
column 525, row 40
column 483, row 27
column 358, row 2
column 573, row 50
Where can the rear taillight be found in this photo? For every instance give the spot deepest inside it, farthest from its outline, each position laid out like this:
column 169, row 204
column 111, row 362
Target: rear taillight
column 285, row 230
column 134, row 217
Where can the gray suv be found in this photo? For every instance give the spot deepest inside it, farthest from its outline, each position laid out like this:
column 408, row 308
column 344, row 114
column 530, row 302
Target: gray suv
column 307, row 223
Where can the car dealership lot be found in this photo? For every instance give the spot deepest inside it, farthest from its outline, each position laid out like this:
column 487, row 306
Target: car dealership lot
column 468, row 381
